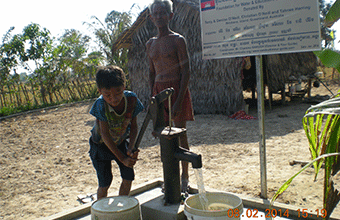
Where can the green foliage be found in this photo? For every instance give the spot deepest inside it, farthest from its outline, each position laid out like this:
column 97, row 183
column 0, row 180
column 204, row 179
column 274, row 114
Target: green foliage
column 107, row 33
column 285, row 186
column 7, row 55
column 322, row 127
column 333, row 14
column 6, row 111
column 325, row 31
column 70, row 93
column 329, row 58
column 61, row 71
column 321, row 124
column 75, row 44
column 35, row 44
column 56, row 70
column 10, row 110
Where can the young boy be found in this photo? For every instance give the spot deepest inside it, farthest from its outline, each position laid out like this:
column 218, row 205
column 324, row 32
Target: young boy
column 116, row 113
column 169, row 67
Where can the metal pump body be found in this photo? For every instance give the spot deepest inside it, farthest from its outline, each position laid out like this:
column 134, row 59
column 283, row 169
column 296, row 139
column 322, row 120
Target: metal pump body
column 171, row 152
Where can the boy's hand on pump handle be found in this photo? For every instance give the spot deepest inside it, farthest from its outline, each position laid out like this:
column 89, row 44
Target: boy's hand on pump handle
column 131, row 159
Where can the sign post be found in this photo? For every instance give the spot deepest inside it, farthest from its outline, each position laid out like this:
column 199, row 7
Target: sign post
column 260, row 116
column 239, row 28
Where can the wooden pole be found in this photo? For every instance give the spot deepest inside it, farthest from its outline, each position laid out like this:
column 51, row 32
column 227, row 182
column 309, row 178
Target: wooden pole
column 260, row 110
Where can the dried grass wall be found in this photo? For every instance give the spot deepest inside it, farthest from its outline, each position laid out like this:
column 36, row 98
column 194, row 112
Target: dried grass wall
column 281, row 66
column 138, row 61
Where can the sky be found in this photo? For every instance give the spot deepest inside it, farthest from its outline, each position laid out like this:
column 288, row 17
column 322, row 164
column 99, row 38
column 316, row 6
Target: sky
column 59, row 15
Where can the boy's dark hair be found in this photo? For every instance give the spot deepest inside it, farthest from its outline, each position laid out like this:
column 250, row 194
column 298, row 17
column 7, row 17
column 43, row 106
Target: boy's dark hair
column 110, row 76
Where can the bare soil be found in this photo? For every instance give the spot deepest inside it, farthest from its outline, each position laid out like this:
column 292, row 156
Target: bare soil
column 45, row 163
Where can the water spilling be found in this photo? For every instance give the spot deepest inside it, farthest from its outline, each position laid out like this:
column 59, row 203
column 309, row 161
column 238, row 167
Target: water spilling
column 201, row 190
column 212, row 205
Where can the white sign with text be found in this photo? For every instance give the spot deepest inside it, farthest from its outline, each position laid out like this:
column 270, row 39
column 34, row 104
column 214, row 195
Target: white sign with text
column 233, row 28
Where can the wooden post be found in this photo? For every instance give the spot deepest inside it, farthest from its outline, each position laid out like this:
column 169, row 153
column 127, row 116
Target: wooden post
column 283, row 94
column 260, row 115
column 309, row 87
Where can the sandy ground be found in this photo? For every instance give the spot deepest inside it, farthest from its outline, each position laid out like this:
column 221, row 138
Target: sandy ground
column 45, row 164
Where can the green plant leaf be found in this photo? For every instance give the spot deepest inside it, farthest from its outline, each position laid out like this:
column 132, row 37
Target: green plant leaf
column 308, row 125
column 329, row 111
column 329, row 58
column 330, row 161
column 289, row 181
column 333, row 14
column 334, row 135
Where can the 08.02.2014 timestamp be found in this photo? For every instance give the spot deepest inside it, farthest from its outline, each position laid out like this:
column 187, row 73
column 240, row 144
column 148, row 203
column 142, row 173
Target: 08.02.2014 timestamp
column 273, row 213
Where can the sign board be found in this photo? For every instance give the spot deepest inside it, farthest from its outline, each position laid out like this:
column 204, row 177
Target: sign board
column 234, row 28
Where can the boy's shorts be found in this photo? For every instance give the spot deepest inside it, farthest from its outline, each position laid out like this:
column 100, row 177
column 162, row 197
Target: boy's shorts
column 101, row 158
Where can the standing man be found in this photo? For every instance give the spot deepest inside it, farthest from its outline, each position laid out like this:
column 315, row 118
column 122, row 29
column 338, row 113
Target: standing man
column 169, row 67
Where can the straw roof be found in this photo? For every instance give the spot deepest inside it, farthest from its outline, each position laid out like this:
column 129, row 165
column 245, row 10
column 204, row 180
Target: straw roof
column 125, row 39
column 282, row 67
column 215, row 85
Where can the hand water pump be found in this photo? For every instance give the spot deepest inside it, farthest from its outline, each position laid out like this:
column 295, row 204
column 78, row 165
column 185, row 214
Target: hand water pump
column 171, row 152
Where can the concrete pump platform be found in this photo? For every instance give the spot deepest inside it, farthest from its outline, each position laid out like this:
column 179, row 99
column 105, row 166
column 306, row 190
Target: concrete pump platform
column 151, row 202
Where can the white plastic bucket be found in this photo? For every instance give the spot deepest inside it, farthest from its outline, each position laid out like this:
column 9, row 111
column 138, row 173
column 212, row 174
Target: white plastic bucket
column 116, row 207
column 230, row 207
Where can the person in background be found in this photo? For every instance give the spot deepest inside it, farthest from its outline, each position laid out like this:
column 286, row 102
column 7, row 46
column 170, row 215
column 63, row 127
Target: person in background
column 116, row 113
column 169, row 67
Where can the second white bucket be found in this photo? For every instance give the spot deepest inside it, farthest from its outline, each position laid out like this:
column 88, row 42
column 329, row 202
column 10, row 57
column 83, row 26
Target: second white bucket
column 227, row 206
column 115, row 208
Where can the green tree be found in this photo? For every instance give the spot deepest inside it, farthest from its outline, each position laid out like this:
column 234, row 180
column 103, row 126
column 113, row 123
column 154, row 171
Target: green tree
column 69, row 57
column 73, row 50
column 107, row 33
column 8, row 62
column 37, row 46
column 76, row 43
column 328, row 56
column 8, row 59
column 52, row 66
column 94, row 60
column 326, row 32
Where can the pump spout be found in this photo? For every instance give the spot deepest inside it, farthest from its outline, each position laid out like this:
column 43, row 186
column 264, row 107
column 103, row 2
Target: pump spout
column 186, row 155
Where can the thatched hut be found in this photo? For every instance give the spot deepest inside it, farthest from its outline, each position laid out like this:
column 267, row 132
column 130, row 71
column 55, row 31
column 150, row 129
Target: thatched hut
column 215, row 85
column 281, row 67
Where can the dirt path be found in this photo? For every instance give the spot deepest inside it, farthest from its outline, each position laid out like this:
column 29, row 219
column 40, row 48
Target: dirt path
column 45, row 164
